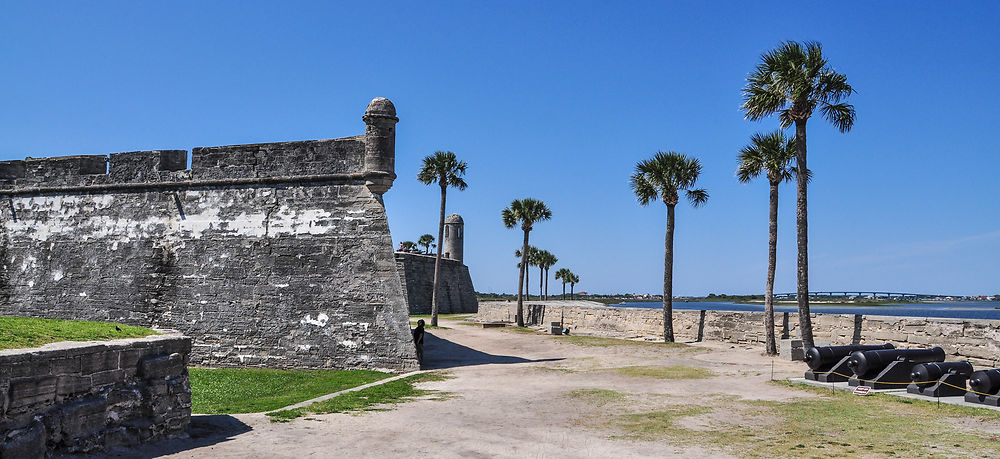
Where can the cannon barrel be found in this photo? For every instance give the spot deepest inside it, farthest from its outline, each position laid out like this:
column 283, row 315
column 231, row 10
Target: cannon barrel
column 817, row 357
column 985, row 381
column 930, row 372
column 864, row 362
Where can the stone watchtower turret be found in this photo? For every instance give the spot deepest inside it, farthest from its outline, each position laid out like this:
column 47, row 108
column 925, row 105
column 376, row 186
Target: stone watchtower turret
column 380, row 145
column 454, row 234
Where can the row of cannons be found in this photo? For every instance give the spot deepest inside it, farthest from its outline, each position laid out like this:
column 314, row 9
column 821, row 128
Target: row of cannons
column 922, row 371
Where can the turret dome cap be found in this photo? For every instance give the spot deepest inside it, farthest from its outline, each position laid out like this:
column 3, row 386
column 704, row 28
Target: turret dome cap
column 380, row 106
column 454, row 218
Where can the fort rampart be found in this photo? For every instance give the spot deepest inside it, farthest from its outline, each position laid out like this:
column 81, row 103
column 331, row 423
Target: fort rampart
column 975, row 340
column 275, row 254
column 455, row 291
column 74, row 397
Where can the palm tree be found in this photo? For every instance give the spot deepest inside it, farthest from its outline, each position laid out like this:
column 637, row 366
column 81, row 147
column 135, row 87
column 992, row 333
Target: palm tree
column 532, row 259
column 408, row 246
column 565, row 275
column 663, row 177
column 527, row 212
column 545, row 261
column 793, row 80
column 573, row 280
column 772, row 155
column 445, row 169
column 427, row 241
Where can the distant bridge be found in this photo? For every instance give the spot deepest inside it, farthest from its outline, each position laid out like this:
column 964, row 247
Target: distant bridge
column 863, row 294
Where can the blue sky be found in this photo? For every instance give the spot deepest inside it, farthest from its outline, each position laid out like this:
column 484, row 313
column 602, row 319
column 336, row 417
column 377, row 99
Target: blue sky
column 558, row 101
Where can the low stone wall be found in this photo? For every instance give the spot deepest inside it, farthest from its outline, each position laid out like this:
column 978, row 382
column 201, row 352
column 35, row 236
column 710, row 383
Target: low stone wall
column 416, row 272
column 975, row 340
column 79, row 397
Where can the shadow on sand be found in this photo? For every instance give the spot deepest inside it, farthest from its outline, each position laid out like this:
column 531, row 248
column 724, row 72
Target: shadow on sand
column 440, row 353
column 205, row 430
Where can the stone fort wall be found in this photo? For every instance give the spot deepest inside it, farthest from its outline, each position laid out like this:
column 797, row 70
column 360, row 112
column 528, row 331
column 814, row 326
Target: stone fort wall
column 85, row 397
column 275, row 255
column 976, row 340
column 457, row 294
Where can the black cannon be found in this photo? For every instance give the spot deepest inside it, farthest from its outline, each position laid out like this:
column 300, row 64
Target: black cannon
column 829, row 363
column 985, row 387
column 945, row 379
column 889, row 368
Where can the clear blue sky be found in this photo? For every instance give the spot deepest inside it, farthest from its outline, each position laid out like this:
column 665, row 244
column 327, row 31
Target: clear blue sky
column 558, row 101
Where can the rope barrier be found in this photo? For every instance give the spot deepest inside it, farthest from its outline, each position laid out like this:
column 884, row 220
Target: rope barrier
column 900, row 383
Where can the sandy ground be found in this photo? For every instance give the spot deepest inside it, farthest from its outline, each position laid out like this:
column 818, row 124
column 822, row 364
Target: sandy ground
column 509, row 397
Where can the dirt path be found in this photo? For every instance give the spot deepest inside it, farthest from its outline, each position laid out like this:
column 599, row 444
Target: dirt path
column 511, row 395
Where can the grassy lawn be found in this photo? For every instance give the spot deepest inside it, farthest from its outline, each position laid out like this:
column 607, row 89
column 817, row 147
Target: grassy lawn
column 671, row 372
column 825, row 424
column 599, row 341
column 253, row 390
column 24, row 332
column 370, row 399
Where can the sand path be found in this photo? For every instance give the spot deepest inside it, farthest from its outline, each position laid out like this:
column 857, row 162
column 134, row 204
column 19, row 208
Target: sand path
column 509, row 397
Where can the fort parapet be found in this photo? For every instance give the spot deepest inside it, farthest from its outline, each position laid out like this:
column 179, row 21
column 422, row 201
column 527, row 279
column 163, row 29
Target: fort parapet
column 274, row 254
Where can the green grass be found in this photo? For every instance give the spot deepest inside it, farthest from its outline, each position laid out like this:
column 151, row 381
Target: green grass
column 836, row 424
column 598, row 397
column 370, row 399
column 25, row 332
column 516, row 329
column 598, row 341
column 671, row 372
column 254, row 390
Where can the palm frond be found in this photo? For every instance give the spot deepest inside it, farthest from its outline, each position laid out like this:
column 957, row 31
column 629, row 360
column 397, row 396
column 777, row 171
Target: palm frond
column 840, row 115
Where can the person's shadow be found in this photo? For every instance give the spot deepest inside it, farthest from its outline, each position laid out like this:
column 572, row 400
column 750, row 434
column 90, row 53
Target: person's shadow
column 440, row 353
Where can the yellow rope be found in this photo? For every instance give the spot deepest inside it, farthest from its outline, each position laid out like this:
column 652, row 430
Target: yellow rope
column 900, row 383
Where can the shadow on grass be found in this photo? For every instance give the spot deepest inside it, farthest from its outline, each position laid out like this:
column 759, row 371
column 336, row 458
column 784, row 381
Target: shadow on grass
column 440, row 353
column 205, row 430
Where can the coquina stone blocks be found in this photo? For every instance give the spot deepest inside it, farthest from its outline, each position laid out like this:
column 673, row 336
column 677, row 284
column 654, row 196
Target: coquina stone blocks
column 975, row 340
column 272, row 255
column 86, row 397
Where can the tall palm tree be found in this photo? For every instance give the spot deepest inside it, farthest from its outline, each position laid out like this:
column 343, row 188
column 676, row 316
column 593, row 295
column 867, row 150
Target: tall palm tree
column 525, row 212
column 772, row 155
column 427, row 241
column 445, row 169
column 664, row 177
column 793, row 80
column 532, row 261
column 565, row 275
column 545, row 261
column 573, row 280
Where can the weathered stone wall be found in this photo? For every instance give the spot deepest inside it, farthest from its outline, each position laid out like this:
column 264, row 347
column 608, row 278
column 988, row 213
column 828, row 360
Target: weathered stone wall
column 85, row 397
column 973, row 339
column 417, row 274
column 275, row 255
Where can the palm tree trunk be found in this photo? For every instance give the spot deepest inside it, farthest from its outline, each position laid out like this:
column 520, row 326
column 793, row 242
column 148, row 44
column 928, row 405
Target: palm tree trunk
column 571, row 286
column 437, row 260
column 520, row 281
column 527, row 282
column 564, row 291
column 541, row 272
column 546, row 284
column 802, row 222
column 668, row 278
column 772, row 255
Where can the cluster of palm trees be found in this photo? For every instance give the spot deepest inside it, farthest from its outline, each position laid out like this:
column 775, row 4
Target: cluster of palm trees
column 567, row 277
column 792, row 80
column 427, row 241
column 544, row 260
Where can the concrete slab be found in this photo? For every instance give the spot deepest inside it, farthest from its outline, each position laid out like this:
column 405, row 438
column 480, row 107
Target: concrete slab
column 960, row 400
